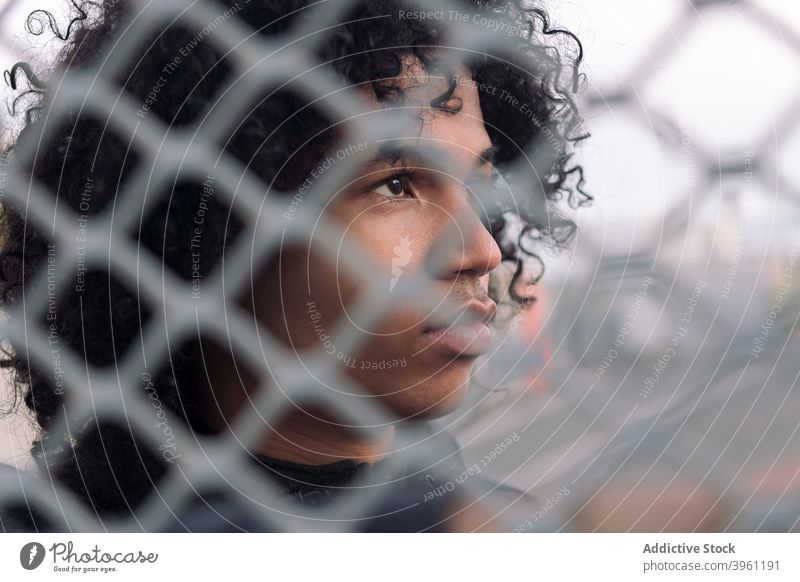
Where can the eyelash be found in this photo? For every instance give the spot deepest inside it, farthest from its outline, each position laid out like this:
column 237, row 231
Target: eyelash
column 409, row 176
column 405, row 177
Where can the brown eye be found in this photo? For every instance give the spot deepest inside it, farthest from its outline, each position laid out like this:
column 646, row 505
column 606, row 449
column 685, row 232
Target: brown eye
column 394, row 187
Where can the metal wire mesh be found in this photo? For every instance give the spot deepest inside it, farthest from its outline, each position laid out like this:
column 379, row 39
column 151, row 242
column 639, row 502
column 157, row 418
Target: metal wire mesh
column 648, row 392
column 667, row 390
column 164, row 155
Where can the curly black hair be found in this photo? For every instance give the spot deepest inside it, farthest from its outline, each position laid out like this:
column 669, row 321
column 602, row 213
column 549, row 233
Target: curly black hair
column 85, row 165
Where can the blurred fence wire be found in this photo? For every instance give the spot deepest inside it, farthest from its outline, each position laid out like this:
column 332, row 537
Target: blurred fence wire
column 669, row 396
column 651, row 387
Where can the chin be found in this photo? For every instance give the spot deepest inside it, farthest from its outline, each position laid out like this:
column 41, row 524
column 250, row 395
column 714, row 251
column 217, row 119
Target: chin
column 436, row 397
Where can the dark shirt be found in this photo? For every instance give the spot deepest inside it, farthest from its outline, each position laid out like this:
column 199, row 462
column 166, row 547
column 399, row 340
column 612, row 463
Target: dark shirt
column 405, row 505
column 312, row 484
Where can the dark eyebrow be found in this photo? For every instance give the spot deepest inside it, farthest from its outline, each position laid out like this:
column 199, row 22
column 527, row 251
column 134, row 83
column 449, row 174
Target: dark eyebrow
column 397, row 151
column 394, row 151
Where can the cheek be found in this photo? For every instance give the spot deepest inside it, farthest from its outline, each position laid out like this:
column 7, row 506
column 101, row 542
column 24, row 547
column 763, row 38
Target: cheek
column 396, row 239
column 397, row 253
column 301, row 295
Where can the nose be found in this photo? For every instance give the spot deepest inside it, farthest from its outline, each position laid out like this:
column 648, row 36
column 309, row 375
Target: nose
column 463, row 245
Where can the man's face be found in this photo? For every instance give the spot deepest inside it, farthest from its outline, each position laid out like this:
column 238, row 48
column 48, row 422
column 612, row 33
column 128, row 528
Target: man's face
column 398, row 208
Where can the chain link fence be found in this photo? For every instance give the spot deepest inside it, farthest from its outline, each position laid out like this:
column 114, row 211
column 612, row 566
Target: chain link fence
column 667, row 379
column 650, row 387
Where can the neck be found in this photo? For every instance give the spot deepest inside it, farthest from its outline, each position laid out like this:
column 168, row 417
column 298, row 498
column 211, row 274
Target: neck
column 313, row 439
